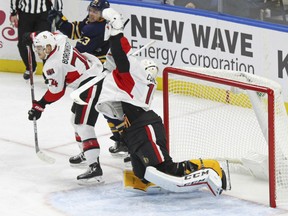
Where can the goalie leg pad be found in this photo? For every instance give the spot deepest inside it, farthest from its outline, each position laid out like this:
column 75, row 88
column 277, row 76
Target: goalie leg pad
column 133, row 183
column 208, row 163
column 214, row 164
column 188, row 183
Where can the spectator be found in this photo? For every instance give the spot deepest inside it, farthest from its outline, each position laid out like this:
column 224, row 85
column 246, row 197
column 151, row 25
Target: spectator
column 200, row 4
column 243, row 8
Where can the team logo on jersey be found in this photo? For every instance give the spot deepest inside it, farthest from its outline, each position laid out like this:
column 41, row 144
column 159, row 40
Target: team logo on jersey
column 151, row 78
column 146, row 160
column 50, row 71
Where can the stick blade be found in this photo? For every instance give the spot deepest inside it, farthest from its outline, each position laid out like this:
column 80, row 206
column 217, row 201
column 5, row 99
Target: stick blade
column 45, row 157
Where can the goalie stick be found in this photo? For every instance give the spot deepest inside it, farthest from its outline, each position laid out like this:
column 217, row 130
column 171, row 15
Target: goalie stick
column 75, row 95
column 39, row 153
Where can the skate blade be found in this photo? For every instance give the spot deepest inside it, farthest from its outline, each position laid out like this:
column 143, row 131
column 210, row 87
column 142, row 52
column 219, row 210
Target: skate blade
column 79, row 166
column 120, row 154
column 91, row 181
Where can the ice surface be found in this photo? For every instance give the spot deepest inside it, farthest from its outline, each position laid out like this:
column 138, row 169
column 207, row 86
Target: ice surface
column 31, row 187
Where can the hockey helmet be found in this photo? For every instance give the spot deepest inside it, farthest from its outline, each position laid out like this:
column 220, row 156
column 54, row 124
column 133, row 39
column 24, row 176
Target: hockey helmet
column 43, row 39
column 99, row 5
column 150, row 67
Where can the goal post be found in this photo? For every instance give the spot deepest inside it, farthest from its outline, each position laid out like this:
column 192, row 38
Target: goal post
column 228, row 115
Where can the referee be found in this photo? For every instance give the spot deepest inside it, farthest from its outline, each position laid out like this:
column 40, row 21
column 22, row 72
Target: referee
column 30, row 16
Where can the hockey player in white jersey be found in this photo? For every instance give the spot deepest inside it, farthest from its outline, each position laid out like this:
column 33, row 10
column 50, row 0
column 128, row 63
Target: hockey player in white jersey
column 66, row 67
column 90, row 34
column 127, row 94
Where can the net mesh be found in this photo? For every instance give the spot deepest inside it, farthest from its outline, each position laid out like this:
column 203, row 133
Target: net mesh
column 212, row 120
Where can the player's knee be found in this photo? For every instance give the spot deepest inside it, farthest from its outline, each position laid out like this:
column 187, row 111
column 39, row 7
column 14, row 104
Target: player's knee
column 85, row 131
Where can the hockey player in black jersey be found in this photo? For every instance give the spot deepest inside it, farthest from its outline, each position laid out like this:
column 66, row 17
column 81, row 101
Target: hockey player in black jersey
column 89, row 34
column 127, row 94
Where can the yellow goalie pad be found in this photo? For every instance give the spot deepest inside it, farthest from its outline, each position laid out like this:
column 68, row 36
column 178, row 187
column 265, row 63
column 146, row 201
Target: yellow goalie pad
column 132, row 182
column 208, row 163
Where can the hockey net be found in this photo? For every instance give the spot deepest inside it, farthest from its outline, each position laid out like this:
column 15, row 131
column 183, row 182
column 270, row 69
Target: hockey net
column 232, row 116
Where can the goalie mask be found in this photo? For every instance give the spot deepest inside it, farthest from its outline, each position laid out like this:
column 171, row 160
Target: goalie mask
column 42, row 40
column 150, row 67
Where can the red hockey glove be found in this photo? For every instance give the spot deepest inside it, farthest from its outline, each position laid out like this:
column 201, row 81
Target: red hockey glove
column 35, row 111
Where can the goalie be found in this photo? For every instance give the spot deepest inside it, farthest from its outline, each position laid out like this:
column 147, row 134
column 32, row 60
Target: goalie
column 126, row 95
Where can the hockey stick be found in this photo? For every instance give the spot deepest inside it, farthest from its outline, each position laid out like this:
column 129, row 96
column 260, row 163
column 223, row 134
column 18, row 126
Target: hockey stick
column 39, row 153
column 75, row 95
column 55, row 7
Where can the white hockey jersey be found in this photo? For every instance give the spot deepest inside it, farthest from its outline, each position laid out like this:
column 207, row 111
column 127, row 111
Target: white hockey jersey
column 136, row 87
column 65, row 66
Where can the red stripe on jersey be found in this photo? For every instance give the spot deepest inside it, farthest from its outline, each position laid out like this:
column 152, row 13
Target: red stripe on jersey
column 149, row 94
column 77, row 137
column 90, row 90
column 50, row 97
column 90, row 144
column 77, row 55
column 125, row 44
column 124, row 81
column 72, row 76
column 156, row 150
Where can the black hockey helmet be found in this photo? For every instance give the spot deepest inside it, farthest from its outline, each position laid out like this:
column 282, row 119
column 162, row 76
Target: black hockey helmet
column 99, row 5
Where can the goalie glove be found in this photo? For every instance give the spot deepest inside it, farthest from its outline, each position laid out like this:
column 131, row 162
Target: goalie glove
column 57, row 16
column 115, row 23
column 36, row 110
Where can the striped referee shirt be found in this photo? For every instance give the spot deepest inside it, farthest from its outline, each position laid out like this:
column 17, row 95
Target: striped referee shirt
column 33, row 6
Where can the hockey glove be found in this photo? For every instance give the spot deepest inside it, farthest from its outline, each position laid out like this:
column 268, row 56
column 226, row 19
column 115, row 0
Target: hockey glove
column 115, row 23
column 27, row 38
column 35, row 111
column 57, row 16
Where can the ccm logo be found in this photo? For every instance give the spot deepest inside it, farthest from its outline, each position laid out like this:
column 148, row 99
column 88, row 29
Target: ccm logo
column 197, row 174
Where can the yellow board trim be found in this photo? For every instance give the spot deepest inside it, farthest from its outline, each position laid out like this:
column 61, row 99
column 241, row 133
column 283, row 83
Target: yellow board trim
column 17, row 66
column 232, row 96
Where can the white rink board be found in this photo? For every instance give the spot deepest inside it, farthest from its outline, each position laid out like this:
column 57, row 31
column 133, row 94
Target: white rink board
column 249, row 46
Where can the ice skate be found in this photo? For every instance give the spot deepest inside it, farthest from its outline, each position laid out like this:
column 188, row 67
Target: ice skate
column 92, row 175
column 26, row 75
column 78, row 161
column 119, row 149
